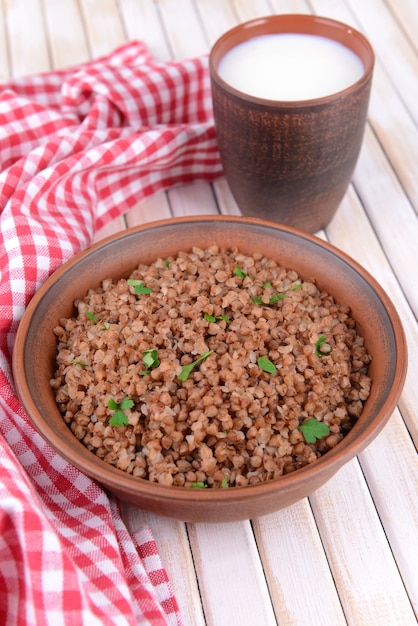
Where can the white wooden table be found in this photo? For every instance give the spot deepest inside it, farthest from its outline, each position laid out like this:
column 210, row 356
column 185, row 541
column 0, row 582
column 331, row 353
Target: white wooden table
column 349, row 553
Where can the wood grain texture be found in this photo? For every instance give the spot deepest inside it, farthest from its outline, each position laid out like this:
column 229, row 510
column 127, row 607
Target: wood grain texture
column 367, row 578
column 230, row 575
column 66, row 33
column 293, row 557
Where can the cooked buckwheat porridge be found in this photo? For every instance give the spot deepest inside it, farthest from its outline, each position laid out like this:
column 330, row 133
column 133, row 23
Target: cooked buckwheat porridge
column 212, row 369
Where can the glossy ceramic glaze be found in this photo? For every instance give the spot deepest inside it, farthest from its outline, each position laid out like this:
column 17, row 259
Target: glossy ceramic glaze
column 378, row 322
column 290, row 161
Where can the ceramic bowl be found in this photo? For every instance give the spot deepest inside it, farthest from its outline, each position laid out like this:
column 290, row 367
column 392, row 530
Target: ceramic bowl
column 377, row 321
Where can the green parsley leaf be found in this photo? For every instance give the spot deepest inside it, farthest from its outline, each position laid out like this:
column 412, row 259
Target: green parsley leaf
column 224, row 483
column 322, row 339
column 91, row 317
column 313, row 430
column 126, row 403
column 198, row 485
column 239, row 272
column 296, row 287
column 276, row 297
column 187, row 369
column 139, row 287
column 214, row 318
column 266, row 365
column 150, row 358
column 119, row 418
column 105, row 326
column 80, row 363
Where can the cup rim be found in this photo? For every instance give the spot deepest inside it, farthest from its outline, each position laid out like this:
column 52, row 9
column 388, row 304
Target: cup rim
column 298, row 23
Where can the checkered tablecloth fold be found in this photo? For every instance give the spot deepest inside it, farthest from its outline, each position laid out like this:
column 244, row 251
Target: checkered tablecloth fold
column 78, row 147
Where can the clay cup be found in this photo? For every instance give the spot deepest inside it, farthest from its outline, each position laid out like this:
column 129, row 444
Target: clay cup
column 290, row 161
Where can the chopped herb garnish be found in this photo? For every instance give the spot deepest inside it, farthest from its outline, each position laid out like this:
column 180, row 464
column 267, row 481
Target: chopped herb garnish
column 214, row 318
column 313, row 430
column 80, row 363
column 198, row 485
column 150, row 359
column 91, row 317
column 266, row 365
column 224, row 483
column 167, row 263
column 296, row 287
column 239, row 272
column 119, row 418
column 275, row 297
column 139, row 287
column 187, row 369
column 319, row 343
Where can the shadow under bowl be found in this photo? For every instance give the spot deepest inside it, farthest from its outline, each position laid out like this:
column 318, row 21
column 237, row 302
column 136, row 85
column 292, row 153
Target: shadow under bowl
column 377, row 321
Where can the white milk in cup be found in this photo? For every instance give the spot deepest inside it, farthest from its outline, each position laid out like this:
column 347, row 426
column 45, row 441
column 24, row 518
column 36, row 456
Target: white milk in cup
column 290, row 66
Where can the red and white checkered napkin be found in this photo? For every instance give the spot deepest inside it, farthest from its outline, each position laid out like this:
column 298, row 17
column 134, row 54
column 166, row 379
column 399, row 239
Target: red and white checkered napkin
column 77, row 148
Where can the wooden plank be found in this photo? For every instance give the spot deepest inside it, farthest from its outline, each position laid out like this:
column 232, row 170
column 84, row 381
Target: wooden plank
column 226, row 200
column 183, row 28
column 370, row 588
column 153, row 208
column 394, row 119
column 65, row 32
column 173, row 545
column 391, row 46
column 4, row 53
column 393, row 217
column 296, row 568
column 291, row 6
column 230, row 575
column 405, row 13
column 142, row 22
column 194, row 199
column 27, row 38
column 103, row 25
column 394, row 49
column 249, row 9
column 217, row 16
column 390, row 465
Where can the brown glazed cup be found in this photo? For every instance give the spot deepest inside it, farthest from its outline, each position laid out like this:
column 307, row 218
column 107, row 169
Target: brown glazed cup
column 290, row 161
